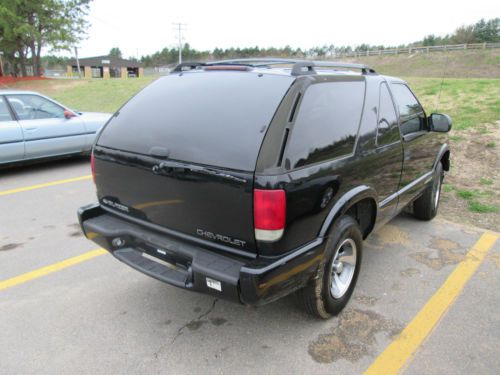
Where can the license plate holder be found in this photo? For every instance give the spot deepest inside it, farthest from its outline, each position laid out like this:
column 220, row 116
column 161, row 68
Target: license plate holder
column 166, row 255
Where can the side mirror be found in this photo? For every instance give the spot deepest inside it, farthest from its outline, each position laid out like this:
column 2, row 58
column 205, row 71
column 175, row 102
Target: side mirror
column 68, row 114
column 440, row 123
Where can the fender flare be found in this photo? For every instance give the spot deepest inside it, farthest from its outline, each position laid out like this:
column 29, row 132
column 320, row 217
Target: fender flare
column 345, row 202
column 444, row 149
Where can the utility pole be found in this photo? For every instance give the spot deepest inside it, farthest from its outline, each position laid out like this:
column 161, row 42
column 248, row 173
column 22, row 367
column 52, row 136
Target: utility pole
column 179, row 28
column 77, row 62
column 2, row 73
column 1, row 65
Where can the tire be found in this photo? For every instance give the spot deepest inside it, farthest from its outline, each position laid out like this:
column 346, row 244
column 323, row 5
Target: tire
column 426, row 207
column 323, row 298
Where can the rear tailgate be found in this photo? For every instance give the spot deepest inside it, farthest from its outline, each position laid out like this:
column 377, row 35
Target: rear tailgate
column 182, row 153
column 205, row 202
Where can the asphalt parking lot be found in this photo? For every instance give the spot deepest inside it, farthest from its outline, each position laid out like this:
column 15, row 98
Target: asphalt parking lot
column 67, row 307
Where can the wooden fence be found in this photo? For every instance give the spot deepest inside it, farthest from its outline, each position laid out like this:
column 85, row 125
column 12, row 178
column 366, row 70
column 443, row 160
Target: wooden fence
column 410, row 50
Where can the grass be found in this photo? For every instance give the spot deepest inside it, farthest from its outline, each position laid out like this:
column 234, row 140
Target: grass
column 89, row 95
column 106, row 95
column 469, row 102
column 491, row 144
column 469, row 194
column 447, row 188
column 472, row 197
column 486, row 181
column 472, row 194
column 456, row 138
column 482, row 207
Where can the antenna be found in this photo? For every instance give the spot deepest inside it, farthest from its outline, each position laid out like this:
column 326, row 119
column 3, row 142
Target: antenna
column 179, row 28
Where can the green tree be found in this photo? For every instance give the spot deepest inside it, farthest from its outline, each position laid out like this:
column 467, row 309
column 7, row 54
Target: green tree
column 29, row 25
column 487, row 31
column 12, row 39
column 362, row 48
column 116, row 52
column 464, row 34
column 53, row 61
column 429, row 40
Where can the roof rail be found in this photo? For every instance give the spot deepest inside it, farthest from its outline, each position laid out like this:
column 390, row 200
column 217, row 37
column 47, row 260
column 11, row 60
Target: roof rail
column 303, row 68
column 299, row 68
column 256, row 62
column 191, row 65
column 307, row 67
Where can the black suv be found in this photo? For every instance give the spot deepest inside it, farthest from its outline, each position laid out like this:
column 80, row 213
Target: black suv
column 252, row 179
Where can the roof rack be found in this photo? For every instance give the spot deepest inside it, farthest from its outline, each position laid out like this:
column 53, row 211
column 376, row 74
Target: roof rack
column 307, row 67
column 299, row 68
column 256, row 62
column 190, row 65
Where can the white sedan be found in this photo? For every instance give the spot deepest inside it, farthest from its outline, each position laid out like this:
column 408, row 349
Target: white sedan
column 33, row 126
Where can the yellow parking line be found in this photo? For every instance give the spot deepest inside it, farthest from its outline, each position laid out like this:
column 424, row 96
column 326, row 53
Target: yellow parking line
column 32, row 187
column 9, row 283
column 397, row 354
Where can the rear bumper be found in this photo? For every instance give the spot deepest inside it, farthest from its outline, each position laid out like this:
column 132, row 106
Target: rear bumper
column 187, row 265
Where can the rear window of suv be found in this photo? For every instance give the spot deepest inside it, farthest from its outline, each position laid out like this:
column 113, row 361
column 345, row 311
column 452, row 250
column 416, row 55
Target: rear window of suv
column 210, row 118
column 327, row 122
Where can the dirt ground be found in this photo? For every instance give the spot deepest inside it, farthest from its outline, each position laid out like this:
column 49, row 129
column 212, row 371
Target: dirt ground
column 474, row 177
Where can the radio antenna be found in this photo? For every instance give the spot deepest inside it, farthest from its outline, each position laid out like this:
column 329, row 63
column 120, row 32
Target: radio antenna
column 442, row 82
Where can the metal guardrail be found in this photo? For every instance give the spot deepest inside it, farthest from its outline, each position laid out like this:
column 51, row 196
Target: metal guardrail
column 410, row 50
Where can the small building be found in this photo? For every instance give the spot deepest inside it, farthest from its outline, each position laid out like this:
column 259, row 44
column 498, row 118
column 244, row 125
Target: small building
column 106, row 67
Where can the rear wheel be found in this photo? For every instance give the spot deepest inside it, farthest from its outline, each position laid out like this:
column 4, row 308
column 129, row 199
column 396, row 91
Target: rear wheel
column 331, row 288
column 426, row 207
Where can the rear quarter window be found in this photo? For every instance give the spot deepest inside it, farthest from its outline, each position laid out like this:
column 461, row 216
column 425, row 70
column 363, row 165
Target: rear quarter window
column 411, row 114
column 327, row 122
column 387, row 123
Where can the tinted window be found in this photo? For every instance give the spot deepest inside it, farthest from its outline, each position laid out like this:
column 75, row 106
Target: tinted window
column 327, row 123
column 4, row 111
column 212, row 118
column 411, row 114
column 33, row 107
column 387, row 125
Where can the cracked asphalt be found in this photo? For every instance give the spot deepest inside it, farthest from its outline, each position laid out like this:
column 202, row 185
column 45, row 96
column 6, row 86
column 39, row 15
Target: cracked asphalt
column 100, row 316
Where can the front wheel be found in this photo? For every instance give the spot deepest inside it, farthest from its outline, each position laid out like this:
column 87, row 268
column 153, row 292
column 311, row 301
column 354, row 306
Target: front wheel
column 330, row 290
column 426, row 207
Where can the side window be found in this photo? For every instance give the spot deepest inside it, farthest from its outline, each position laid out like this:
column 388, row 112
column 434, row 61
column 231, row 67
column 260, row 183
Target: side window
column 387, row 123
column 411, row 114
column 33, row 107
column 327, row 122
column 4, row 111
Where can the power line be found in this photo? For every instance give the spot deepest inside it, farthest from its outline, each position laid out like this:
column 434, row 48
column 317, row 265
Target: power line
column 179, row 28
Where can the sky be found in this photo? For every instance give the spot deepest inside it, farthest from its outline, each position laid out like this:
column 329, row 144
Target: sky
column 146, row 26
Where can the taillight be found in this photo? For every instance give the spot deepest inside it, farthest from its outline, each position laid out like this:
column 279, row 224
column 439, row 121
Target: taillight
column 269, row 211
column 92, row 165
